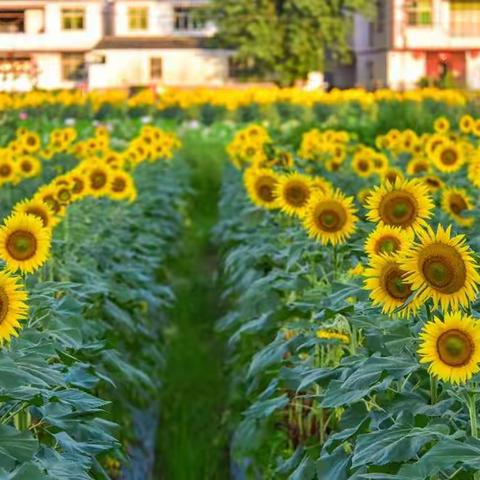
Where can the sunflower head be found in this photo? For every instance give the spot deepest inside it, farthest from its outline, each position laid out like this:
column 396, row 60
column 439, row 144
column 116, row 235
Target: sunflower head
column 330, row 217
column 451, row 347
column 385, row 279
column 432, row 182
column 456, row 203
column 405, row 204
column 38, row 209
column 293, row 192
column 261, row 184
column 122, row 186
column 13, row 306
column 441, row 267
column 24, row 242
column 466, row 124
column 448, row 157
column 388, row 240
column 441, row 125
column 418, row 166
column 29, row 166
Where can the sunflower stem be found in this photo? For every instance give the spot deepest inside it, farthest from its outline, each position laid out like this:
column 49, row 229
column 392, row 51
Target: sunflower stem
column 334, row 260
column 433, row 390
column 472, row 411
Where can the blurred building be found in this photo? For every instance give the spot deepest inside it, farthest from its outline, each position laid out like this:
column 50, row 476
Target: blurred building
column 419, row 41
column 56, row 44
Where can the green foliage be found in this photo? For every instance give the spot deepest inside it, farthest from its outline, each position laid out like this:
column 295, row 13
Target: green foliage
column 284, row 40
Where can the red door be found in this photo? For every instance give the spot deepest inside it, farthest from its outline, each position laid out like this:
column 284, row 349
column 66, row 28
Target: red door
column 443, row 64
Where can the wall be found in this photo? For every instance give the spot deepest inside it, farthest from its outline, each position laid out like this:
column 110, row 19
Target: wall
column 186, row 67
column 405, row 69
column 54, row 37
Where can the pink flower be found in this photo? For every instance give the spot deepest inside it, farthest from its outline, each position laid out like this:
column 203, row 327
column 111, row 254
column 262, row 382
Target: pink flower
column 23, row 115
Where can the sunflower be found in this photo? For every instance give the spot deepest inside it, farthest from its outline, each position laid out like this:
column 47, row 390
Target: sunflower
column 332, row 335
column 29, row 166
column 466, row 124
column 391, row 175
column 24, row 242
column 474, row 170
column 362, row 165
column 380, row 163
column 293, row 192
column 385, row 279
column 418, row 166
column 260, row 184
column 451, row 347
column 386, row 239
column 8, row 171
column 441, row 125
column 13, row 306
column 448, row 157
column 122, row 186
column 441, row 267
column 404, row 204
column 330, row 217
column 476, row 128
column 98, row 178
column 363, row 195
column 31, row 142
column 47, row 195
column 320, row 184
column 432, row 182
column 38, row 209
column 455, row 202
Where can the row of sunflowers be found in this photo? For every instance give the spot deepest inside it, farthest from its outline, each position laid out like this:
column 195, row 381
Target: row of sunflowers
column 230, row 98
column 352, row 269
column 88, row 227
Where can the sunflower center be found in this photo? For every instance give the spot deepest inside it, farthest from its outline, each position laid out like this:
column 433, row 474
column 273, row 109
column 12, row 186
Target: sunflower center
column 388, row 244
column 37, row 212
column 64, row 195
column 296, row 195
column 330, row 218
column 398, row 208
column 98, row 179
column 77, row 185
column 4, row 304
column 52, row 203
column 455, row 348
column 443, row 268
column 420, row 167
column 264, row 187
column 31, row 141
column 448, row 157
column 26, row 166
column 457, row 204
column 395, row 284
column 363, row 166
column 21, row 245
column 119, row 185
column 5, row 170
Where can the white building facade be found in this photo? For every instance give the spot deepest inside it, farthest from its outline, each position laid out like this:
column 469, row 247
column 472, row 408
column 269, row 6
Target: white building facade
column 54, row 44
column 419, row 40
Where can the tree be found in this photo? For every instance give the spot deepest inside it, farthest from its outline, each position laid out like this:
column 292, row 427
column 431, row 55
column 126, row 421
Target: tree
column 284, row 40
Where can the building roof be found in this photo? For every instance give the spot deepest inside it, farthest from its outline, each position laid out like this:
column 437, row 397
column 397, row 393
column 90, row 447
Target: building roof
column 125, row 43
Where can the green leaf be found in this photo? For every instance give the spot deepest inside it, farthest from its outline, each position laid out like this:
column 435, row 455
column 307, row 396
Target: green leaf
column 397, row 444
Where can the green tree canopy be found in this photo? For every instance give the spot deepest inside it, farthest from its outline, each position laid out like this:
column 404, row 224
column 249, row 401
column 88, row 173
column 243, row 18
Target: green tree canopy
column 284, row 40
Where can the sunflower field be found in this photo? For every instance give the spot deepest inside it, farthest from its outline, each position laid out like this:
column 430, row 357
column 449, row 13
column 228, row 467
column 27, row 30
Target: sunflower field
column 248, row 284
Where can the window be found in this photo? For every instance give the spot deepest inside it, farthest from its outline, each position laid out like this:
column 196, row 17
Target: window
column 73, row 66
column 370, row 71
column 187, row 19
column 380, row 16
column 138, row 18
column 465, row 18
column 419, row 12
column 371, row 34
column 156, row 68
column 12, row 21
column 73, row 19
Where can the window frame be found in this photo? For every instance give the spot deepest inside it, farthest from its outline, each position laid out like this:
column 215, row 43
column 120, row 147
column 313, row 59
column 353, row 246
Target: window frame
column 81, row 15
column 67, row 57
column 417, row 8
column 184, row 21
column 138, row 19
column 155, row 68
